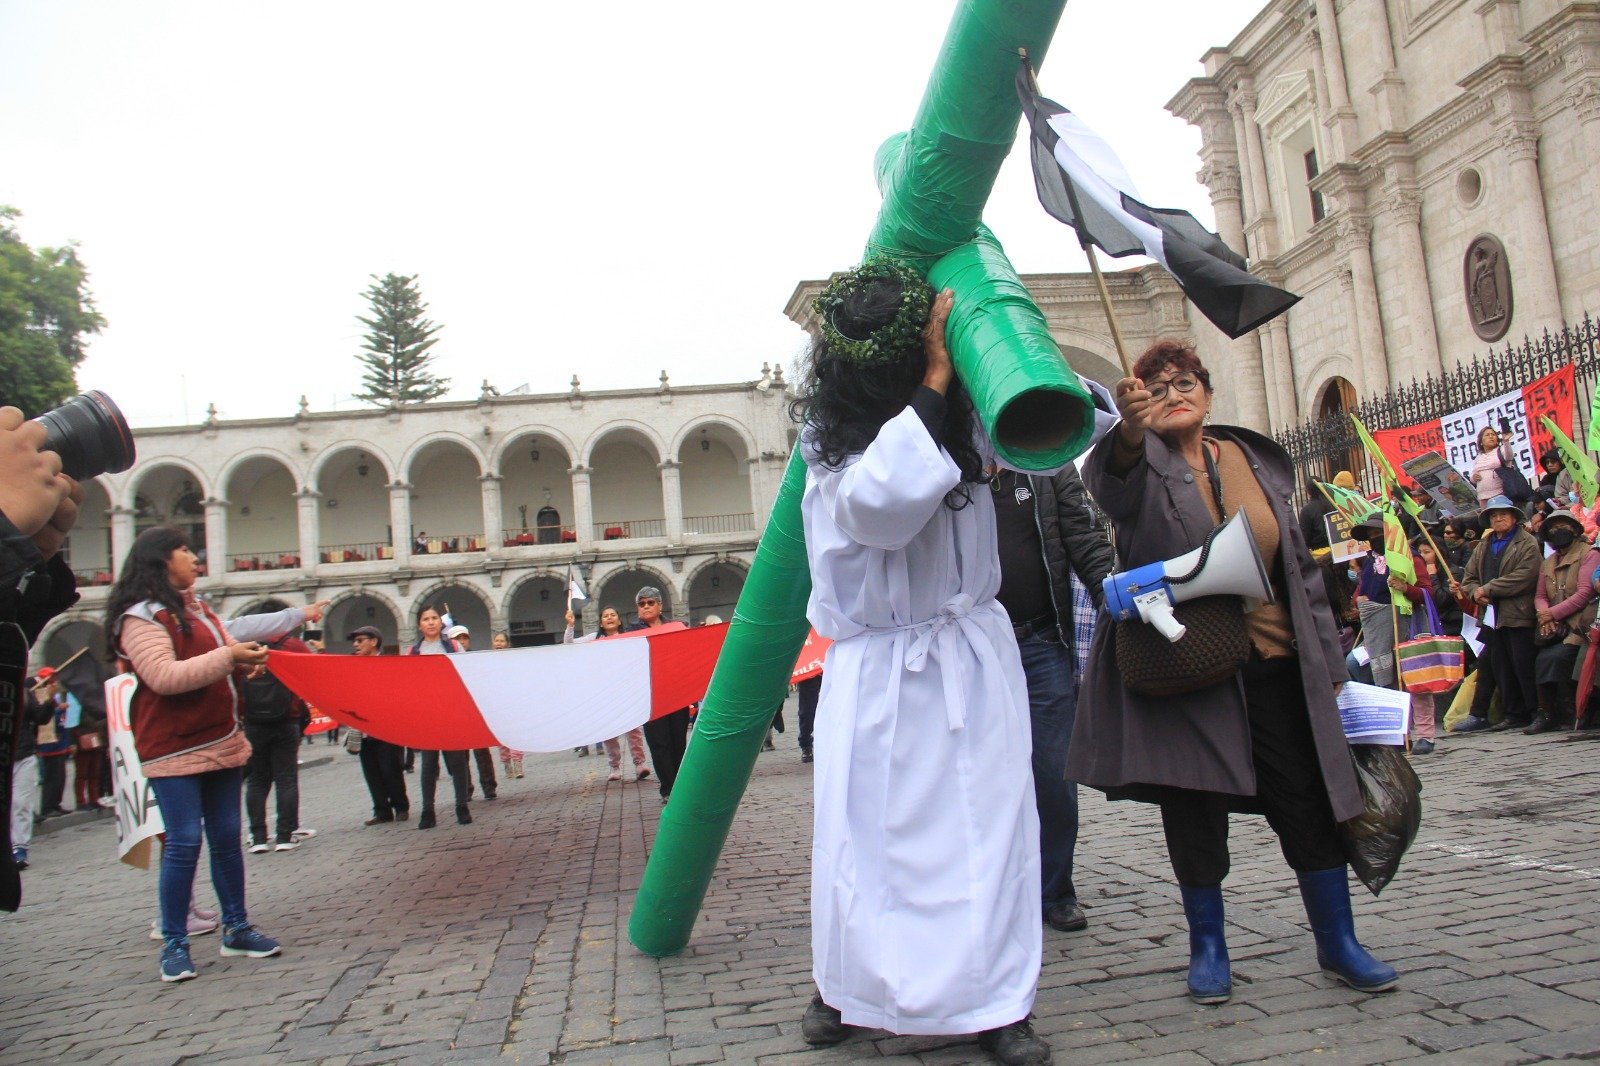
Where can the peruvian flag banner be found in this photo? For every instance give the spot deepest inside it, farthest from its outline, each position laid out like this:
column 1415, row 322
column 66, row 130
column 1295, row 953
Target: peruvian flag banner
column 550, row 698
column 1455, row 436
column 812, row 653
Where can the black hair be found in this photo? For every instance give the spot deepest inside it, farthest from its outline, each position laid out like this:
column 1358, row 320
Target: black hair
column 425, row 608
column 845, row 402
column 144, row 577
column 1552, row 455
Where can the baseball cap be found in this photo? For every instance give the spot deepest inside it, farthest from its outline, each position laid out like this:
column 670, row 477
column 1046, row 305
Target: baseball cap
column 367, row 631
column 457, row 631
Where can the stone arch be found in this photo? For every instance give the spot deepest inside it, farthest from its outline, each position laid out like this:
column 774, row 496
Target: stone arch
column 733, row 425
column 513, row 438
column 625, row 482
column 148, row 466
column 448, row 436
column 263, row 517
column 1089, row 354
column 445, row 475
column 615, row 588
column 622, row 425
column 234, row 462
column 532, row 619
column 476, row 613
column 348, row 611
column 714, row 587
column 537, row 505
column 319, row 465
column 262, row 605
column 714, row 488
column 173, row 494
column 88, row 547
column 65, row 635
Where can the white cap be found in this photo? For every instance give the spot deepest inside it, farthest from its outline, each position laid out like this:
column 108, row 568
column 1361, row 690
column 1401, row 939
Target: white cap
column 457, row 631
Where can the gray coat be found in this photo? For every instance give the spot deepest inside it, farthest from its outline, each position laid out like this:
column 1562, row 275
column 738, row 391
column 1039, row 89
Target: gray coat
column 1201, row 740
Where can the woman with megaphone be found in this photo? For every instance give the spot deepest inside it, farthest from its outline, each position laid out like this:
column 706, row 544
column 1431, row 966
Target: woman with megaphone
column 1264, row 738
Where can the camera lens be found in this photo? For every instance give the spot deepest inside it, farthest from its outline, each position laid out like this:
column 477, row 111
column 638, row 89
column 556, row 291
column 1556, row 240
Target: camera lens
column 90, row 435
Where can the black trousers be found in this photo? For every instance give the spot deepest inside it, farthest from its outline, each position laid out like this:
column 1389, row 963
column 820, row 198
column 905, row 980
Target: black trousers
column 668, row 737
column 381, row 765
column 52, row 781
column 455, row 764
column 808, row 692
column 1508, row 656
column 1289, row 787
column 484, row 757
column 274, row 765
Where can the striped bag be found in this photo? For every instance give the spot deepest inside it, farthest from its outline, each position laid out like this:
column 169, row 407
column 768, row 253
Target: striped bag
column 1433, row 662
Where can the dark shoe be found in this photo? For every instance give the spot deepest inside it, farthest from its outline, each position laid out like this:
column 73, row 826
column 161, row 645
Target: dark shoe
column 490, row 795
column 20, row 857
column 805, row 755
column 1016, row 1045
column 644, row 772
column 379, row 819
column 403, row 816
column 822, row 1026
column 1327, row 898
column 1508, row 723
column 1210, row 975
column 463, row 814
column 1422, row 747
column 176, row 964
column 1066, row 917
column 1540, row 724
column 427, row 821
column 1470, row 724
column 243, row 940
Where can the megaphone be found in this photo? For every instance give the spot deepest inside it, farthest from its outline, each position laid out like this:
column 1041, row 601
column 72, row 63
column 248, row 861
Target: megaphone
column 1227, row 564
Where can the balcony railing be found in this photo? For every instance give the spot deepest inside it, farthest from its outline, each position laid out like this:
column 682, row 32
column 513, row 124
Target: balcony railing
column 637, row 527
column 524, row 536
column 355, row 553
column 92, row 577
column 450, row 544
column 720, row 523
column 245, row 562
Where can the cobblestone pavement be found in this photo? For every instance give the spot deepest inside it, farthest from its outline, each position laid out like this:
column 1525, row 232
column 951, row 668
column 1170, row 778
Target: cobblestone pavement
column 506, row 939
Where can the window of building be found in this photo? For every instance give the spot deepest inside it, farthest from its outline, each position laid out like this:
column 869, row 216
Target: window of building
column 1319, row 210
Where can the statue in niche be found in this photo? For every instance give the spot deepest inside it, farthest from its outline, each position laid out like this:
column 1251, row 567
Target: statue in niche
column 1487, row 276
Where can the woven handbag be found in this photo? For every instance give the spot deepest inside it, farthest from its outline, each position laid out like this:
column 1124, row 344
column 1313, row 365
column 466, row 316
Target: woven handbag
column 1211, row 652
column 1434, row 662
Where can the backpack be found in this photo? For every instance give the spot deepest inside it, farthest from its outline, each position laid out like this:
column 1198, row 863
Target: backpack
column 266, row 699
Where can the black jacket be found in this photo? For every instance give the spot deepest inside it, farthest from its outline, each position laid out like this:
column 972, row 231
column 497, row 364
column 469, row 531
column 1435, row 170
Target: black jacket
column 1071, row 536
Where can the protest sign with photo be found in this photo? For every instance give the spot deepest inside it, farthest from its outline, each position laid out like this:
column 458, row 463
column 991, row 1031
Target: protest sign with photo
column 1343, row 545
column 1452, row 494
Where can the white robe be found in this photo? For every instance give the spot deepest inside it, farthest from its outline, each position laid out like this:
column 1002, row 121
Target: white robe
column 925, row 912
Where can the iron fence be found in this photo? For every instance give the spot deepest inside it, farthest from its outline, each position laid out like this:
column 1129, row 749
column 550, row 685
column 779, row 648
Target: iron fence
column 1322, row 447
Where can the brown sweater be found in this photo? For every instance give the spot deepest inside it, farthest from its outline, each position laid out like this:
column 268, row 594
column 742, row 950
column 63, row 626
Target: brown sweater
column 1268, row 625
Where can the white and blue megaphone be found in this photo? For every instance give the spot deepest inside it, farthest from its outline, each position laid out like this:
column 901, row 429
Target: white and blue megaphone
column 1227, row 564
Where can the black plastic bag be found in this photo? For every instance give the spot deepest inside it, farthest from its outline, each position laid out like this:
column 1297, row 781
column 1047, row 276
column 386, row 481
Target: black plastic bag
column 1375, row 840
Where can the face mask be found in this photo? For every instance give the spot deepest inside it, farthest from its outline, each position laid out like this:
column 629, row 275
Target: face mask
column 1561, row 538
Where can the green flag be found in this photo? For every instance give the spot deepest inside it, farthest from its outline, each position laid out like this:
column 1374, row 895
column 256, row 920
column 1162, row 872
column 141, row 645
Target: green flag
column 1585, row 475
column 1391, row 482
column 1397, row 554
column 1594, row 422
column 1351, row 505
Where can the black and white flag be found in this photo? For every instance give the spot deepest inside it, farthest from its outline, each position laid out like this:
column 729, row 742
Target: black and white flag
column 1073, row 166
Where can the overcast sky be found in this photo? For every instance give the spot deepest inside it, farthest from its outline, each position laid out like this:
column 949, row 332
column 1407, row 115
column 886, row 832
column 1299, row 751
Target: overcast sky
column 607, row 190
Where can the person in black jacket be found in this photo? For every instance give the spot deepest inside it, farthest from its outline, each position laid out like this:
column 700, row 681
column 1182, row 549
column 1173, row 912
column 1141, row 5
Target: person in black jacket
column 1046, row 531
column 38, row 505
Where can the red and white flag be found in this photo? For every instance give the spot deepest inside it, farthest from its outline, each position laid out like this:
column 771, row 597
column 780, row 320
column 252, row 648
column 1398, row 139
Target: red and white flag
column 550, row 698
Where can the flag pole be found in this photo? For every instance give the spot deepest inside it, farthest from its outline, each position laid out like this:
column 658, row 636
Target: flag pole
column 1088, row 250
column 71, row 659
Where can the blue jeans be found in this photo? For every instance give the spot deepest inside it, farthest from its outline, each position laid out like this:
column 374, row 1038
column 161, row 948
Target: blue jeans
column 186, row 802
column 1053, row 706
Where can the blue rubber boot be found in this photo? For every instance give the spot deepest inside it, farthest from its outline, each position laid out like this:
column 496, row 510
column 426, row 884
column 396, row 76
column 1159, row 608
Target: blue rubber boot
column 1210, row 978
column 1327, row 897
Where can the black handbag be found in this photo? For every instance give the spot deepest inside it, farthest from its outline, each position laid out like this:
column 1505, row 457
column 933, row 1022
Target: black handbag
column 1213, row 649
column 1513, row 482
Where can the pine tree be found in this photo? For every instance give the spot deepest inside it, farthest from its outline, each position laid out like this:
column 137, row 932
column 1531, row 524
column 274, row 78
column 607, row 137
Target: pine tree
column 395, row 351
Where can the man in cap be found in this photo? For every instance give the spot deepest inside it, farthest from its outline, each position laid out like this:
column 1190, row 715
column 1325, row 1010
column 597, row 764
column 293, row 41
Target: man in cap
column 1503, row 573
column 381, row 761
column 668, row 736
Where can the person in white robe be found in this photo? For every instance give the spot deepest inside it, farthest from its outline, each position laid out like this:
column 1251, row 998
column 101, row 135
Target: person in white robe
column 925, row 855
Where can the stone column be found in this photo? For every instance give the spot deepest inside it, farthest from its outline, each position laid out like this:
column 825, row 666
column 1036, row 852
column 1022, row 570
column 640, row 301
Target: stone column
column 216, row 537
column 1389, row 91
column 1536, row 297
column 1422, row 355
column 672, row 500
column 493, row 528
column 1355, row 242
column 582, row 506
column 122, row 534
column 310, row 528
column 400, row 520
column 1264, row 221
column 1341, row 120
column 1286, row 400
column 758, row 505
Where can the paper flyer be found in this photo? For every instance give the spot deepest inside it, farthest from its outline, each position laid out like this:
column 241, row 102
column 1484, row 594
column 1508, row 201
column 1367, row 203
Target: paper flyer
column 1373, row 715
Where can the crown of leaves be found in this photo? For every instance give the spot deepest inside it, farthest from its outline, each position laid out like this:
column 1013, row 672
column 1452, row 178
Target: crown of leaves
column 889, row 342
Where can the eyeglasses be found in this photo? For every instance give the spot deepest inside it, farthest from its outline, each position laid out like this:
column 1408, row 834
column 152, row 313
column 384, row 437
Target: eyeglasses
column 1183, row 383
column 649, row 603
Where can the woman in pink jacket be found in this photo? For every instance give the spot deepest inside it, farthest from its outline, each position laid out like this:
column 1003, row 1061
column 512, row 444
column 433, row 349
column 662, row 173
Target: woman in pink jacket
column 186, row 731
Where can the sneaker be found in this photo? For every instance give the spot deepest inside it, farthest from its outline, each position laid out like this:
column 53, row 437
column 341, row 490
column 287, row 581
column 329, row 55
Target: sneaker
column 203, row 913
column 1470, row 724
column 259, row 847
column 20, row 857
column 1422, row 747
column 805, row 756
column 822, row 1026
column 641, row 772
column 197, row 925
column 243, row 940
column 287, row 845
column 176, row 965
column 302, row 834
column 615, row 775
column 1016, row 1045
